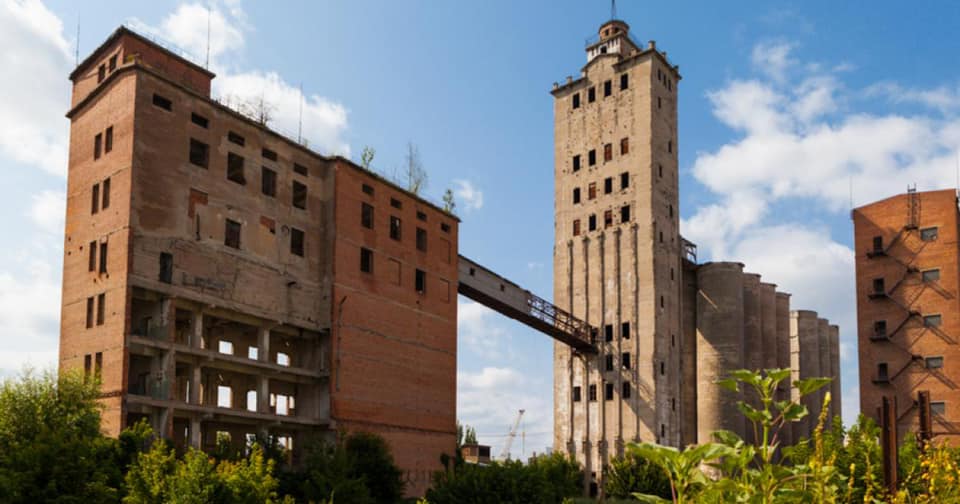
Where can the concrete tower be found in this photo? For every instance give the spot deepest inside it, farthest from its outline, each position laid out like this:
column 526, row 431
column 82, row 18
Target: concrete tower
column 617, row 251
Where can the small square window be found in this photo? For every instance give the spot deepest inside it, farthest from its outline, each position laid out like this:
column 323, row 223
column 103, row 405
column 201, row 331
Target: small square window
column 576, row 163
column 883, row 373
column 199, row 120
column 366, row 260
column 880, row 328
column 299, row 169
column 878, row 286
column 296, row 242
column 268, row 154
column 299, row 195
column 421, row 281
column 367, row 189
column 268, row 182
column 421, row 239
column 878, row 244
column 576, row 195
column 931, row 275
column 231, row 237
column 199, row 153
column 938, row 407
column 444, row 227
column 928, row 234
column 576, row 394
column 607, row 88
column 235, row 138
column 162, row 102
column 932, row 320
column 366, row 215
column 235, row 168
column 421, row 216
column 591, row 95
column 395, row 203
column 934, row 362
column 576, row 100
column 396, row 227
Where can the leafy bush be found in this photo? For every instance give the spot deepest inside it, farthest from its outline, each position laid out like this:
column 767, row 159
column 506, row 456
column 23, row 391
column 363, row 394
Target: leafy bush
column 547, row 479
column 632, row 474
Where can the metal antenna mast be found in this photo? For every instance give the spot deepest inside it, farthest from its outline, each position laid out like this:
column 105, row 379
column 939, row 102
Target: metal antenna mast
column 613, row 9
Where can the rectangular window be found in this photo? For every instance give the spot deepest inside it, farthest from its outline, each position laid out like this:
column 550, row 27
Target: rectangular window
column 880, row 328
column 625, row 213
column 421, row 216
column 299, row 169
column 670, row 146
column 113, row 63
column 162, row 102
column 607, row 88
column 608, row 185
column 97, row 145
column 366, row 215
column 236, row 139
column 268, row 154
column 592, row 157
column 592, row 223
column 659, row 103
column 576, row 393
column 199, row 120
column 576, row 195
column 592, row 393
column 396, row 227
column 101, row 73
column 421, row 281
column 878, row 244
column 938, row 407
column 87, row 367
column 660, row 171
column 882, row 372
column 97, row 364
column 624, row 146
column 878, row 286
column 591, row 95
column 576, row 100
column 108, row 140
column 92, row 262
column 367, row 189
column 625, row 330
column 576, row 163
column 608, row 152
column 626, row 390
column 576, row 227
column 103, row 257
column 608, row 332
column 89, row 312
column 231, row 235
column 608, row 218
column 931, row 275
column 608, row 392
column 444, row 227
column 199, row 153
column 101, row 308
column 592, row 190
column 609, row 362
column 932, row 320
column 625, row 360
column 928, row 234
column 624, row 82
column 395, row 203
column 95, row 199
column 624, row 180
column 421, row 239
column 366, row 260
column 296, row 242
column 166, row 267
column 268, row 182
column 105, row 201
column 235, row 168
column 299, row 195
column 934, row 362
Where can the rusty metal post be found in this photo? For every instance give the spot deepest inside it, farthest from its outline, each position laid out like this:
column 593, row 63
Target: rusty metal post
column 888, row 438
column 926, row 422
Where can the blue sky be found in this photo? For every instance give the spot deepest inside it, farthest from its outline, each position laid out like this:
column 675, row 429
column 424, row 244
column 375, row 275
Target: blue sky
column 784, row 107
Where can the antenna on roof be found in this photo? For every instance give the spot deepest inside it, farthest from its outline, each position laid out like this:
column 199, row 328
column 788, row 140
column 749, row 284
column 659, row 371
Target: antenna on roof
column 613, row 9
column 207, row 64
column 300, row 118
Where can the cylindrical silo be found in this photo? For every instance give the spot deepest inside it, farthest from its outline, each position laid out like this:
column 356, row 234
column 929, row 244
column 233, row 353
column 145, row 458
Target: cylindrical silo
column 783, row 358
column 768, row 324
column 823, row 337
column 719, row 346
column 688, row 354
column 805, row 346
column 752, row 326
column 835, row 389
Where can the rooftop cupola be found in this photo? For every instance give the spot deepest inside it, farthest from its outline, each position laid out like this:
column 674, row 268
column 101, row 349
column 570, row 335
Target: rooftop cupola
column 613, row 38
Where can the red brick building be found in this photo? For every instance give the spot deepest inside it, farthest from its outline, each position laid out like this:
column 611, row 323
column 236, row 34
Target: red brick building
column 220, row 277
column 907, row 307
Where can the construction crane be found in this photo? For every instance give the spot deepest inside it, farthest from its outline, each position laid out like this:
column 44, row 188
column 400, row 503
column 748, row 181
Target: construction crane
column 505, row 454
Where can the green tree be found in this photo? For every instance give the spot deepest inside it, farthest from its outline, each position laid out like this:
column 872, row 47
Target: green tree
column 630, row 474
column 415, row 173
column 373, row 463
column 548, row 479
column 366, row 157
column 449, row 205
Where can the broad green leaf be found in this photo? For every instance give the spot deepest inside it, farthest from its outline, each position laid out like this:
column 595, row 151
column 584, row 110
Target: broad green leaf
column 810, row 385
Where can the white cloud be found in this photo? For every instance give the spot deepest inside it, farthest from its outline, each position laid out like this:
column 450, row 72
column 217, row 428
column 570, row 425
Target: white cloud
column 187, row 28
column 773, row 59
column 47, row 211
column 29, row 315
column 478, row 333
column 944, row 99
column 468, row 195
column 34, row 91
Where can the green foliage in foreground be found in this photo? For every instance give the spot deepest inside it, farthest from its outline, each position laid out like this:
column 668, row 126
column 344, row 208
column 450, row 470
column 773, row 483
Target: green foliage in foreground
column 547, row 479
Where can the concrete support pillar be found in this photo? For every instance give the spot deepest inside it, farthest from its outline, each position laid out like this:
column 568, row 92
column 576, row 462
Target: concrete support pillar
column 196, row 379
column 263, row 345
column 263, row 394
column 196, row 338
column 196, row 434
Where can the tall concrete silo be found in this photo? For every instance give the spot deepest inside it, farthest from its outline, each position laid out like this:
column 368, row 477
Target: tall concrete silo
column 752, row 323
column 823, row 338
column 768, row 324
column 719, row 346
column 835, row 390
column 805, row 362
column 783, row 357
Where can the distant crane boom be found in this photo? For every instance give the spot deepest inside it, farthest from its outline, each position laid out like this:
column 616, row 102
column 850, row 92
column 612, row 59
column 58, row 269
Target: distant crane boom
column 505, row 455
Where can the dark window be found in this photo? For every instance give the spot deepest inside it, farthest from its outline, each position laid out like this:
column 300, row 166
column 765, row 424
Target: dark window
column 268, row 181
column 659, row 103
column 938, row 407
column 235, row 168
column 660, row 170
column 576, row 227
column 624, row 146
column 576, row 100
column 89, row 312
column 366, row 215
column 101, row 308
column 103, row 257
column 199, row 120
column 591, row 95
column 934, row 362
column 166, row 267
column 395, row 227
column 421, row 281
column 592, row 190
column 880, row 328
column 87, row 366
column 444, row 227
column 296, row 242
column 592, row 223
column 878, row 244
column 608, row 332
column 576, row 393
column 97, row 364
column 625, row 330
column 366, row 260
column 608, row 152
column 624, row 180
column 97, row 146
column 626, row 390
column 299, row 195
column 608, row 218
column 367, row 189
column 395, row 203
column 609, row 362
column 268, row 154
column 95, row 199
column 608, row 392
column 235, row 138
column 592, row 157
column 625, row 360
column 300, row 169
column 932, row 320
column 199, row 153
column 106, row 195
column 663, row 369
column 607, row 88
column 113, row 62
column 928, row 234
column 661, row 301
column 421, row 216
column 671, row 211
column 231, row 237
column 608, row 185
column 576, row 195
column 878, row 287
column 624, row 82
column 576, row 162
column 92, row 262
column 931, row 275
column 670, row 146
column 421, row 239
column 101, row 73
column 162, row 102
column 882, row 372
column 108, row 140
column 592, row 392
